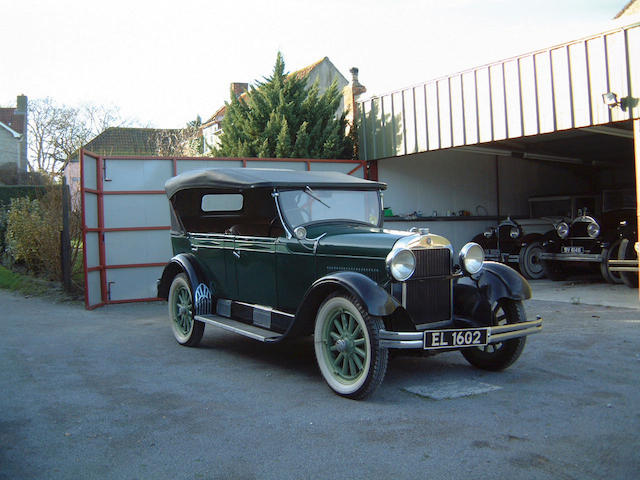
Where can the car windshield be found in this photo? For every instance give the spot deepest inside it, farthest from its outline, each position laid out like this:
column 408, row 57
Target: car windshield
column 301, row 207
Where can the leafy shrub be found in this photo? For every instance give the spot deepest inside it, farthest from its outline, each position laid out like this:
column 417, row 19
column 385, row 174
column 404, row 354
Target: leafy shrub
column 33, row 233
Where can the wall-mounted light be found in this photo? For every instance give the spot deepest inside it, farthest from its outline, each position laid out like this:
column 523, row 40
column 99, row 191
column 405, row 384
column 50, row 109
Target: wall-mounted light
column 610, row 99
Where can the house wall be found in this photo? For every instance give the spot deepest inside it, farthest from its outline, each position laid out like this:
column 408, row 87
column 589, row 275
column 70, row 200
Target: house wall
column 325, row 72
column 9, row 147
column 435, row 184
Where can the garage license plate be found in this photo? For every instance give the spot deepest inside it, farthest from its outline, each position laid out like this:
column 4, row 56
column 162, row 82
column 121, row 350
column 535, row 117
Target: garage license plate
column 572, row 249
column 455, row 338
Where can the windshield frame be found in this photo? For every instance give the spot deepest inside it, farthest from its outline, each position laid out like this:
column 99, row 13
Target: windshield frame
column 289, row 228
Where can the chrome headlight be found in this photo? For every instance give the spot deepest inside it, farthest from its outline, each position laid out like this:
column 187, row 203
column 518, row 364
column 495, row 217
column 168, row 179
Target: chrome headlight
column 593, row 229
column 471, row 258
column 562, row 230
column 514, row 232
column 401, row 264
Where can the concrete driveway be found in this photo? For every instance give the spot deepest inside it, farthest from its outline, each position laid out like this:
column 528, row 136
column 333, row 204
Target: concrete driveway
column 109, row 394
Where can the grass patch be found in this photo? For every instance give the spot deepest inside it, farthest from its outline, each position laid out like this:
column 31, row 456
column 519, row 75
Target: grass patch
column 30, row 286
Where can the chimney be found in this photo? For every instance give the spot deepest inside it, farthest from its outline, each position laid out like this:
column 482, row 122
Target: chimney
column 238, row 88
column 22, row 105
column 356, row 87
column 350, row 94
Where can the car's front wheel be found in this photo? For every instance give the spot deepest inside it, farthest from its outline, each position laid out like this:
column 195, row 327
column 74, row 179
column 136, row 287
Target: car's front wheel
column 498, row 356
column 529, row 261
column 347, row 347
column 626, row 251
column 186, row 330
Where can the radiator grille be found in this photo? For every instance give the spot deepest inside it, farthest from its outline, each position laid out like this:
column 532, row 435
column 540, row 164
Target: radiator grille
column 428, row 299
column 432, row 262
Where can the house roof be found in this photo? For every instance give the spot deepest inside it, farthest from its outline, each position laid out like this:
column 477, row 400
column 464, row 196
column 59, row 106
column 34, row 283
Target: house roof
column 127, row 141
column 247, row 178
column 10, row 119
column 303, row 72
column 628, row 8
column 10, row 130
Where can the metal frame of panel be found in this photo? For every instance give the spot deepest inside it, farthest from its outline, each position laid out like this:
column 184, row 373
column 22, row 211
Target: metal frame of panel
column 99, row 228
column 556, row 88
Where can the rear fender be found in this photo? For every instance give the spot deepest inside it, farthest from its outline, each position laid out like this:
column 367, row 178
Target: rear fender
column 181, row 263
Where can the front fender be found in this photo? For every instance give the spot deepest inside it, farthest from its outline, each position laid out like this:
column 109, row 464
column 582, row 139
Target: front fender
column 181, row 263
column 377, row 301
column 474, row 296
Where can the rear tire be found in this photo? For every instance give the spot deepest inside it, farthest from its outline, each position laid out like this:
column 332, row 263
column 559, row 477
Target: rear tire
column 498, row 356
column 186, row 330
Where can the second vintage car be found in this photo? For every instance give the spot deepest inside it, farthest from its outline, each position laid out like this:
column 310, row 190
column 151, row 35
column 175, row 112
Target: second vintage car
column 277, row 254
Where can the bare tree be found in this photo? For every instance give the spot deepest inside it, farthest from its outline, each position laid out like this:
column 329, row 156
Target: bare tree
column 185, row 142
column 57, row 131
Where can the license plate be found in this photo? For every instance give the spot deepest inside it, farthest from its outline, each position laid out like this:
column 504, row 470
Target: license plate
column 572, row 249
column 455, row 338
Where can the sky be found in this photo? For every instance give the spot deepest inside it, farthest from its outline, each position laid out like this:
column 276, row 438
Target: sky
column 164, row 62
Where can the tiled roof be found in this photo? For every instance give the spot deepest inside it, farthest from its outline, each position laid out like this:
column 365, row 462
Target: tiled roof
column 127, row 141
column 10, row 119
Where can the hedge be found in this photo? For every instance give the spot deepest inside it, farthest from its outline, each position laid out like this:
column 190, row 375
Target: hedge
column 7, row 192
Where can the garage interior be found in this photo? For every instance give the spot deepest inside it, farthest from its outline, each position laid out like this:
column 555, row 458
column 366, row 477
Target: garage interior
column 465, row 150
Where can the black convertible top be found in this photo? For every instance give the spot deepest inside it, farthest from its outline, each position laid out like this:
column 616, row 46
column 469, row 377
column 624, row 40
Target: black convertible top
column 244, row 178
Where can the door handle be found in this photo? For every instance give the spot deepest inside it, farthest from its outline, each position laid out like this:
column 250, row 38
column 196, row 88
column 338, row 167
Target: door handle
column 236, row 254
column 194, row 249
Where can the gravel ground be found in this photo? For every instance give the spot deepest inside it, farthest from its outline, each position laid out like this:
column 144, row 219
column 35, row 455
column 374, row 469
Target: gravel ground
column 109, row 394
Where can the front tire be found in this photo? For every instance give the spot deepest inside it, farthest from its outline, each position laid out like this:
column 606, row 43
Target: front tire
column 498, row 356
column 610, row 254
column 347, row 347
column 626, row 251
column 529, row 261
column 186, row 330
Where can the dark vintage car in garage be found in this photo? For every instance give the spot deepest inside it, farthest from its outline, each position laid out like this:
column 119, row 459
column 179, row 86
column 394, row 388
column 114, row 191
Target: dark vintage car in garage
column 277, row 254
column 590, row 239
column 519, row 241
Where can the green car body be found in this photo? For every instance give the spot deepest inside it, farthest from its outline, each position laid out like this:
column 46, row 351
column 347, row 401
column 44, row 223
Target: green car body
column 275, row 254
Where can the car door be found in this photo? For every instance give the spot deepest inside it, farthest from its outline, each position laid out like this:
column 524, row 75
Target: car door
column 255, row 267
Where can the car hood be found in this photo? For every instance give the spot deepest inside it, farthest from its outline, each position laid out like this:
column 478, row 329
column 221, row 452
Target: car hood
column 355, row 240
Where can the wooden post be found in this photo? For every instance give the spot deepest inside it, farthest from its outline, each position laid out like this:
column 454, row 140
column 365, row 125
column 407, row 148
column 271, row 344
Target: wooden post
column 636, row 139
column 65, row 242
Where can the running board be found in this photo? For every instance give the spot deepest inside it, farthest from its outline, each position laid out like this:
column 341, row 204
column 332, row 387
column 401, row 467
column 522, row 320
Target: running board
column 251, row 331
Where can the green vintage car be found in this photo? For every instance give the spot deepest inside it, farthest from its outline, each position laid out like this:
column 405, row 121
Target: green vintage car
column 276, row 254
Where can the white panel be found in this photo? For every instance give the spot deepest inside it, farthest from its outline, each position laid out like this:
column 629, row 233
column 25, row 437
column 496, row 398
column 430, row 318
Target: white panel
column 336, row 167
column 146, row 246
column 137, row 174
column 91, row 210
column 497, row 102
column 186, row 165
column 121, row 211
column 91, row 246
column 562, row 88
column 278, row 165
column 89, row 171
column 93, row 287
column 133, row 283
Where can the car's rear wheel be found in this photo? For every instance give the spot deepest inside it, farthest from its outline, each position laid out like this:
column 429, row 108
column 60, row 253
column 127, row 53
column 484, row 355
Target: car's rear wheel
column 186, row 330
column 529, row 261
column 498, row 356
column 347, row 347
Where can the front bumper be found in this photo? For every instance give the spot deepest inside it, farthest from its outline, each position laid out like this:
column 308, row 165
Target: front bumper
column 500, row 333
column 572, row 257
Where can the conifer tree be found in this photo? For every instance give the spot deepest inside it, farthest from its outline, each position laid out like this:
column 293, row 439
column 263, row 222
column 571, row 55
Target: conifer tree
column 283, row 117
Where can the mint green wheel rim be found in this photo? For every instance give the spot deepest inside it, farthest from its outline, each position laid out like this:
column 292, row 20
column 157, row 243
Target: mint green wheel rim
column 183, row 317
column 344, row 345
